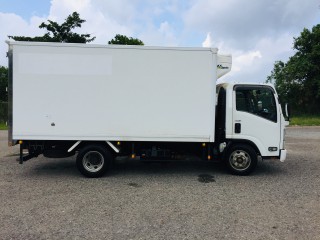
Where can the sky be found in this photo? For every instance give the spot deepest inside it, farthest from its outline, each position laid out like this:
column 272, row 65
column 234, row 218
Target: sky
column 256, row 33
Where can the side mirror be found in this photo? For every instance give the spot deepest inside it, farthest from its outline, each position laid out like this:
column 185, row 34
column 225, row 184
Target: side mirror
column 287, row 112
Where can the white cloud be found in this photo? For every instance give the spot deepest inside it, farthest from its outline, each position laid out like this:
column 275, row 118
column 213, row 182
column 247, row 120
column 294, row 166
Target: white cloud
column 162, row 35
column 61, row 8
column 102, row 23
column 245, row 59
column 242, row 23
column 167, row 34
column 256, row 63
column 208, row 41
column 14, row 25
column 241, row 60
column 276, row 46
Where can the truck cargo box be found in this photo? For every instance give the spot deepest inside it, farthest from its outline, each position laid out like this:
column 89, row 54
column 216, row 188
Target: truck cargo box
column 116, row 93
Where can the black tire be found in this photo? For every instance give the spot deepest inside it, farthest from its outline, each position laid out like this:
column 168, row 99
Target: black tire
column 94, row 160
column 241, row 159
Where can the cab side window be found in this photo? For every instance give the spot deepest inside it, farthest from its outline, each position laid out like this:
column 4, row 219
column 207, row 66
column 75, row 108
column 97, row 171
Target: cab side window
column 257, row 101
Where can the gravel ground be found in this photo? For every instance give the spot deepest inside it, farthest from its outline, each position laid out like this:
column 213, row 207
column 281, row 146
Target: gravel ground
column 49, row 199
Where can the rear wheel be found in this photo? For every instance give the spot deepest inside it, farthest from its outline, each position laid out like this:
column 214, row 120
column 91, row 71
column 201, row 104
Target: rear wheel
column 241, row 159
column 94, row 160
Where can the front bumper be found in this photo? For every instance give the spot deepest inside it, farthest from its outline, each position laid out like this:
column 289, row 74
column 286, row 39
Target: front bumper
column 283, row 155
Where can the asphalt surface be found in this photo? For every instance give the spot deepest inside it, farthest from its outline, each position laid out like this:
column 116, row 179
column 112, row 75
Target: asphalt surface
column 49, row 199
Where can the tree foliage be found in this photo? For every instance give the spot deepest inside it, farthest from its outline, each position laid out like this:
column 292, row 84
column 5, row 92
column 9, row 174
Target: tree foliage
column 3, row 84
column 298, row 80
column 124, row 40
column 60, row 33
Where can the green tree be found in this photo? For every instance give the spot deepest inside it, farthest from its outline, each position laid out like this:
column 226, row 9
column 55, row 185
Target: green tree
column 298, row 80
column 3, row 84
column 124, row 40
column 60, row 33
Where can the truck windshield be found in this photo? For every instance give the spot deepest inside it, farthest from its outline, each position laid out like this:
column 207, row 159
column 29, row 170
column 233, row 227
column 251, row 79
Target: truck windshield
column 258, row 101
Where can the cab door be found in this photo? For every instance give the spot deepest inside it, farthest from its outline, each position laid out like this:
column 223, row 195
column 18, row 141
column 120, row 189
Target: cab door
column 256, row 117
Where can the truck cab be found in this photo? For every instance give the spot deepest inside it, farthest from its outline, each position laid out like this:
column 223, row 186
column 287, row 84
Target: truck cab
column 253, row 122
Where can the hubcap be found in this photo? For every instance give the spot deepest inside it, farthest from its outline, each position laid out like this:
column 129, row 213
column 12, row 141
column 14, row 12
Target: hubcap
column 240, row 160
column 93, row 161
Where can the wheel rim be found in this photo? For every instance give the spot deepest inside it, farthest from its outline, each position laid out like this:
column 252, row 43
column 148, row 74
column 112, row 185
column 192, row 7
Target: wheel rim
column 93, row 161
column 240, row 160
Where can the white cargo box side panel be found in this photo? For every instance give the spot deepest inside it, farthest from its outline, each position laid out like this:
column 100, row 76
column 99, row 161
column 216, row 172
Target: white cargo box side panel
column 88, row 92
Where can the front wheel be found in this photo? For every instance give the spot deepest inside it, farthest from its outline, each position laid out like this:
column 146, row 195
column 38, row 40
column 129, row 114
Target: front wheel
column 94, row 160
column 241, row 159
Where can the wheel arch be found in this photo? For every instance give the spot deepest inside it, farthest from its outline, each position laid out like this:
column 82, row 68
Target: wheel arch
column 232, row 142
column 101, row 143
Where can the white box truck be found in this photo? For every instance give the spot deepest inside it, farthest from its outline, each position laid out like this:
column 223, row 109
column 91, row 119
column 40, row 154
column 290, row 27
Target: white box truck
column 149, row 103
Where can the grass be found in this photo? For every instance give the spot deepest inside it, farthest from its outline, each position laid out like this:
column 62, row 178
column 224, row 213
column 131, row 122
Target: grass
column 3, row 126
column 305, row 120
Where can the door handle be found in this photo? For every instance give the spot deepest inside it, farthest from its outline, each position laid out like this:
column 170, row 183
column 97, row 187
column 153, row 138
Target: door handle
column 237, row 127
